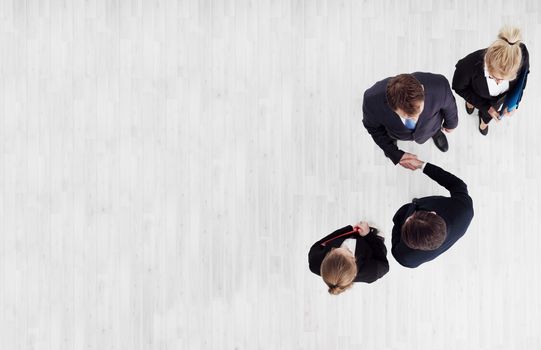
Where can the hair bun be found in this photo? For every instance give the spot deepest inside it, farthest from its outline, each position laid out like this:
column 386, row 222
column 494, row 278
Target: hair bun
column 503, row 57
column 335, row 290
column 510, row 42
column 511, row 35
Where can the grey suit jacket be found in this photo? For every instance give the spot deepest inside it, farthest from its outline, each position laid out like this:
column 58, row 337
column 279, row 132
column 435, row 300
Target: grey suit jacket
column 385, row 126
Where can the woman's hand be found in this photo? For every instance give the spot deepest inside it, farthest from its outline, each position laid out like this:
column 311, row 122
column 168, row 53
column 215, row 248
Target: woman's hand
column 506, row 113
column 362, row 228
column 494, row 113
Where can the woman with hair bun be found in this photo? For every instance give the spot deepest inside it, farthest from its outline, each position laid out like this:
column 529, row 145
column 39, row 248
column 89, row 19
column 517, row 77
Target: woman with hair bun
column 486, row 77
column 350, row 254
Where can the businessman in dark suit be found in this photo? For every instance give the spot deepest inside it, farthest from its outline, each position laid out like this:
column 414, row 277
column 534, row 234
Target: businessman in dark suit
column 414, row 107
column 427, row 227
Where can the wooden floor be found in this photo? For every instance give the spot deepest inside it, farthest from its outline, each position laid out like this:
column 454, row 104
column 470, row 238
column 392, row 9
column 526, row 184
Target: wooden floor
column 165, row 167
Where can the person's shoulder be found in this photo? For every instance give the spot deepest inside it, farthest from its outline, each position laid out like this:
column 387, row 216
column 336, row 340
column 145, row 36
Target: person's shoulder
column 468, row 207
column 471, row 62
column 315, row 257
column 525, row 54
column 398, row 216
column 478, row 54
column 524, row 48
column 441, row 80
column 460, row 207
column 430, row 79
column 377, row 89
column 474, row 57
column 433, row 83
column 405, row 256
column 374, row 98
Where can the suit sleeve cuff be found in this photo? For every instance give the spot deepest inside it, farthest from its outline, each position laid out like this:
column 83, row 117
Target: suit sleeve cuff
column 395, row 158
column 423, row 168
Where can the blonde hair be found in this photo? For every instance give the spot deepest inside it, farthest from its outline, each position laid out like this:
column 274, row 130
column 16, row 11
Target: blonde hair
column 504, row 56
column 338, row 271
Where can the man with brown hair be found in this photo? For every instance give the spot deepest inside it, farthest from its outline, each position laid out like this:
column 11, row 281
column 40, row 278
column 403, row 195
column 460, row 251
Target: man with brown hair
column 414, row 107
column 427, row 227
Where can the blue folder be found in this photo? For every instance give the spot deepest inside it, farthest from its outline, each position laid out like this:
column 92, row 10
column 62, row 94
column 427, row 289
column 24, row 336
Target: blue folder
column 513, row 98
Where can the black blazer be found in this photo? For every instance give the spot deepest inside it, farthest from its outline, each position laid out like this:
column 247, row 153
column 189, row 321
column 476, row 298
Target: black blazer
column 456, row 211
column 469, row 80
column 370, row 253
column 385, row 125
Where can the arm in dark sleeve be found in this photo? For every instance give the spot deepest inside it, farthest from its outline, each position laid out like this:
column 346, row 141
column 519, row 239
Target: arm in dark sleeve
column 462, row 85
column 373, row 270
column 315, row 257
column 379, row 251
column 449, row 110
column 318, row 252
column 398, row 220
column 525, row 63
column 381, row 138
column 399, row 249
column 379, row 254
column 383, row 268
column 453, row 184
column 525, row 68
column 396, row 236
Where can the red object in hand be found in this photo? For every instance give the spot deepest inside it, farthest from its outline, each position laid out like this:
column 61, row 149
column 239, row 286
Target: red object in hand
column 355, row 229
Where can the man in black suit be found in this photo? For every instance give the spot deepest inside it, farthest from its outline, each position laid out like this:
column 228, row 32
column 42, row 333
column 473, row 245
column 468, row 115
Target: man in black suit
column 409, row 107
column 427, row 227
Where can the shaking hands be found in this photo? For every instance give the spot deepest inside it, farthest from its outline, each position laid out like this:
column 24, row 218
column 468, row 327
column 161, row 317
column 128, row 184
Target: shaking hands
column 410, row 161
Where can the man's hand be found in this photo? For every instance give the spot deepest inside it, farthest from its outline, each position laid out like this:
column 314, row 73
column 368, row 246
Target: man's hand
column 447, row 130
column 419, row 164
column 494, row 113
column 409, row 161
column 506, row 113
column 362, row 228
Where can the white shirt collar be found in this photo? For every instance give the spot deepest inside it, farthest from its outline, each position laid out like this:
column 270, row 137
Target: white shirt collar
column 493, row 88
column 349, row 244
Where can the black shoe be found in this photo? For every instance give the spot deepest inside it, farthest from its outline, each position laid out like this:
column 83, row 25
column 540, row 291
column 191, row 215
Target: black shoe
column 469, row 110
column 484, row 131
column 441, row 141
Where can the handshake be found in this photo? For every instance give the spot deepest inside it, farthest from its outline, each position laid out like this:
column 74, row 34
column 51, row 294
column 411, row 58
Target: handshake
column 410, row 161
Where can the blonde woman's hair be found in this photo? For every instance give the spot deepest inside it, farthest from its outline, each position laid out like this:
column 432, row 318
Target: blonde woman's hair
column 338, row 271
column 504, row 56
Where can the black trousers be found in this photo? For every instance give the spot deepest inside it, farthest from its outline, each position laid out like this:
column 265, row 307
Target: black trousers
column 484, row 114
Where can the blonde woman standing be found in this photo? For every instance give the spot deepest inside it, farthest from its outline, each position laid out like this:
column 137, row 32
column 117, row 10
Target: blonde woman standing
column 486, row 77
column 350, row 254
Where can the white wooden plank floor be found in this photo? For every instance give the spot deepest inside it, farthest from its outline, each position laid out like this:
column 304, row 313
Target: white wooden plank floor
column 166, row 165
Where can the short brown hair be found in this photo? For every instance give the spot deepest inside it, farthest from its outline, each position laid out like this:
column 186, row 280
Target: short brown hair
column 424, row 231
column 338, row 271
column 405, row 92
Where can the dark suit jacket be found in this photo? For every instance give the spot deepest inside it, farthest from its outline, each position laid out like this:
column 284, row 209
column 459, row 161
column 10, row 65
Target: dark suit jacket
column 456, row 211
column 469, row 80
column 370, row 253
column 385, row 125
